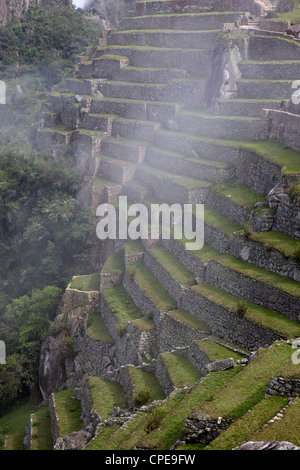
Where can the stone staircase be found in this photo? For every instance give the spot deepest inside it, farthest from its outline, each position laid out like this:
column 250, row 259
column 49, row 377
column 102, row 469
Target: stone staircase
column 134, row 117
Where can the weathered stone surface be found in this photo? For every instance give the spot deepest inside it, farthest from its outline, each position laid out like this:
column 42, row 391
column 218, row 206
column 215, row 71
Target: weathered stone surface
column 272, row 445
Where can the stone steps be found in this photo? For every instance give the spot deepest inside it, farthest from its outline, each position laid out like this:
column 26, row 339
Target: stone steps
column 190, row 60
column 255, row 285
column 192, row 21
column 169, row 272
column 120, row 171
column 192, row 167
column 246, row 107
column 262, row 89
column 124, row 149
column 134, row 129
column 173, row 188
column 157, row 111
column 243, row 323
column 222, row 127
column 269, row 70
column 165, row 38
column 98, row 122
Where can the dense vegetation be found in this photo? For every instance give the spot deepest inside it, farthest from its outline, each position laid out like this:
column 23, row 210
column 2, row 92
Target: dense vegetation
column 45, row 237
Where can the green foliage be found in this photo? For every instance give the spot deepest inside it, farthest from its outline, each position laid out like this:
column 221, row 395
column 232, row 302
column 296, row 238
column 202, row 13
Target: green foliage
column 43, row 231
column 285, row 5
column 23, row 327
column 241, row 309
column 46, row 36
column 155, row 419
column 142, row 396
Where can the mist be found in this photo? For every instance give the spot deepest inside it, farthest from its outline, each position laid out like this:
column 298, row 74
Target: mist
column 81, row 3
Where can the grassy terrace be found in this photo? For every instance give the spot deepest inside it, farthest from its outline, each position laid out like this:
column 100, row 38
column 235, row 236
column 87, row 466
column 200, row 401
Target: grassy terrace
column 292, row 16
column 106, row 395
column 219, row 221
column 69, row 411
column 13, row 425
column 188, row 183
column 272, row 279
column 286, row 245
column 240, row 194
column 143, row 380
column 97, row 329
column 181, row 156
column 121, row 304
column 176, row 409
column 134, row 246
column 248, row 388
column 241, row 430
column 189, row 320
column 284, row 326
column 173, row 266
column 149, row 284
column 114, row 264
column 90, row 282
column 181, row 371
column 101, row 183
column 217, row 352
column 42, row 437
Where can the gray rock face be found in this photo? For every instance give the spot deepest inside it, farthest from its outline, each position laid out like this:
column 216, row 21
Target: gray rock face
column 11, row 8
column 272, row 445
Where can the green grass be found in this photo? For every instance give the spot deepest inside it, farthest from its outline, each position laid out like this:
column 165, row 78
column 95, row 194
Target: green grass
column 97, row 329
column 240, row 194
column 88, row 283
column 101, row 183
column 177, row 407
column 187, row 183
column 272, row 279
column 13, row 424
column 69, row 411
column 103, row 435
column 217, row 352
column 181, row 371
column 149, row 284
column 285, row 429
column 286, row 245
column 173, row 266
column 114, row 264
column 292, row 16
column 141, row 380
column 106, row 395
column 276, row 153
column 282, row 325
column 189, row 320
column 144, row 324
column 42, row 437
column 248, row 388
column 134, row 246
column 242, row 429
column 121, row 304
column 219, row 222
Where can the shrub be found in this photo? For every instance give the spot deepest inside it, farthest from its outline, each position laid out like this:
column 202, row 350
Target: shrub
column 241, row 309
column 155, row 418
column 142, row 396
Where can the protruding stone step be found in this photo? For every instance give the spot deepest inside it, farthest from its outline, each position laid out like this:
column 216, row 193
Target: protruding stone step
column 192, row 21
column 120, row 171
column 255, row 285
column 149, row 75
column 109, row 64
column 135, row 129
column 166, row 38
column 186, row 165
column 124, row 149
column 83, row 86
column 173, row 188
column 136, row 192
column 98, row 122
column 54, row 140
